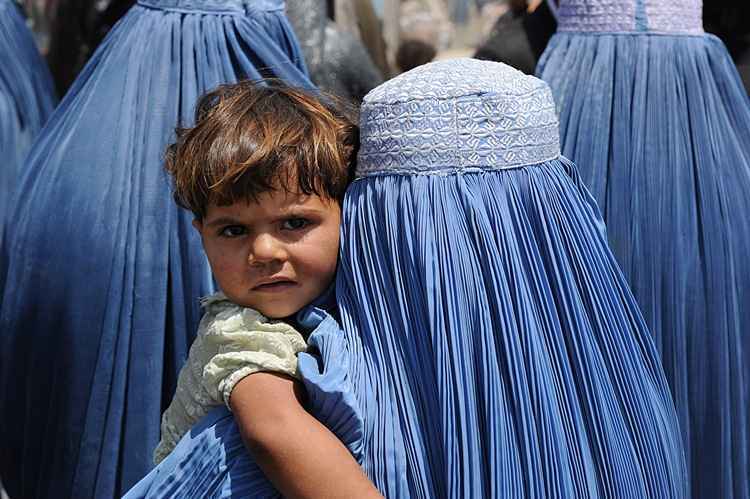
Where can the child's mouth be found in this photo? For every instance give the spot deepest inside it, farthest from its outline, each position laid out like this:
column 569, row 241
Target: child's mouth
column 276, row 286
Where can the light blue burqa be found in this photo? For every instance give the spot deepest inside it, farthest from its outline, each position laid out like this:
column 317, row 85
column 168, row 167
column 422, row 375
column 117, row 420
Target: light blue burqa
column 489, row 344
column 654, row 114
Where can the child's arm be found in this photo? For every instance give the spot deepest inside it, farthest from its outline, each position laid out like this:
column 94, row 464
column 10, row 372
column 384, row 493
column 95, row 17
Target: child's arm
column 300, row 456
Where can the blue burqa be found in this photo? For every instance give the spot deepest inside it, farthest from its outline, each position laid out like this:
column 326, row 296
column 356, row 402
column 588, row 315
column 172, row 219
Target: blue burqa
column 654, row 114
column 489, row 344
column 27, row 98
column 104, row 272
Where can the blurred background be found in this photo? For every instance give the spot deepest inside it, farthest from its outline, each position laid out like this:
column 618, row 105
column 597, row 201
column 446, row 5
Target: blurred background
column 371, row 40
column 351, row 46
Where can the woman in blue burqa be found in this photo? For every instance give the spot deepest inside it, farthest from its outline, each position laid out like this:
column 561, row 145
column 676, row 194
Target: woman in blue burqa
column 104, row 273
column 653, row 112
column 27, row 98
column 489, row 345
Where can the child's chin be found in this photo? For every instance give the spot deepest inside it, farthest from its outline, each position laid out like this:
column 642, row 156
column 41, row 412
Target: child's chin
column 278, row 312
column 277, row 315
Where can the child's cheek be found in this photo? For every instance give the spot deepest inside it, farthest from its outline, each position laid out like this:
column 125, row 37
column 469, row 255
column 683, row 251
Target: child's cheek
column 227, row 264
column 328, row 258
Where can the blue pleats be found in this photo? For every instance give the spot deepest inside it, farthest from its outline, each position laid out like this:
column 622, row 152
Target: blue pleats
column 222, row 469
column 489, row 310
column 104, row 271
column 490, row 348
column 27, row 98
column 660, row 129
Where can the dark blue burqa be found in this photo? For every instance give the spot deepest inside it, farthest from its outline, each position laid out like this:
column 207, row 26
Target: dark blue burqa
column 104, row 272
column 27, row 98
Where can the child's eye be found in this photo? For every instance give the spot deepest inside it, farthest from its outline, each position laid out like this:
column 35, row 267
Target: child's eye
column 232, row 231
column 295, row 223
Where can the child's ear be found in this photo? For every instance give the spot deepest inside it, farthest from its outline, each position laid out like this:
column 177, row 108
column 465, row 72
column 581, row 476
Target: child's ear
column 198, row 224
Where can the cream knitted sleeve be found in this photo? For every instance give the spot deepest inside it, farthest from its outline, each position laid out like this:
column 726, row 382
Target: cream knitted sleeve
column 232, row 342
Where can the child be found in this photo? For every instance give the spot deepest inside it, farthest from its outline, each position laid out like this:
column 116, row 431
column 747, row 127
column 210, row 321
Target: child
column 264, row 171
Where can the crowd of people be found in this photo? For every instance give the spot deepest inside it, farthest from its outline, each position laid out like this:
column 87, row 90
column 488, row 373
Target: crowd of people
column 255, row 251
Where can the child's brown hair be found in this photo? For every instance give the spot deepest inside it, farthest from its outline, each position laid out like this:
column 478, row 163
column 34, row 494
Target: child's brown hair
column 252, row 137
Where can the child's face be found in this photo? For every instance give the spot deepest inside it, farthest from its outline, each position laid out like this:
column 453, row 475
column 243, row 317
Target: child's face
column 275, row 255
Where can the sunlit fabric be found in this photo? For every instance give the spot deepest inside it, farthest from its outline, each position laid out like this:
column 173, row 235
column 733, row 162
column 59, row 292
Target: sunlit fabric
column 653, row 113
column 490, row 344
column 26, row 100
column 104, row 271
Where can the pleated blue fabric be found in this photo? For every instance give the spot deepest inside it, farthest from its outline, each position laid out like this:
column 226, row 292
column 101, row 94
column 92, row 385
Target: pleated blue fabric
column 27, row 98
column 490, row 344
column 478, row 293
column 104, row 271
column 656, row 118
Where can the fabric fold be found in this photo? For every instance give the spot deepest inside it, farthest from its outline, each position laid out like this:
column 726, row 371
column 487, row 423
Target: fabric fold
column 27, row 99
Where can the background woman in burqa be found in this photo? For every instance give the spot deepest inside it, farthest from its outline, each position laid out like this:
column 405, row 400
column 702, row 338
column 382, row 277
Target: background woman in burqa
column 104, row 273
column 654, row 114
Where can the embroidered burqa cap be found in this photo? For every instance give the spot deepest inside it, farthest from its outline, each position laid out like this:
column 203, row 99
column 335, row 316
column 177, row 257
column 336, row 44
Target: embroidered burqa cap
column 623, row 16
column 457, row 116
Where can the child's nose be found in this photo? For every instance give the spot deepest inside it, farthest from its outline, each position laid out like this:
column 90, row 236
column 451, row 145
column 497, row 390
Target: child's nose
column 265, row 249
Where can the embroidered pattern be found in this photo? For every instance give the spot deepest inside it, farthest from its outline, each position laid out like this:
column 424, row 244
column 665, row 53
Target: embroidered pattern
column 596, row 15
column 675, row 16
column 457, row 116
column 662, row 16
column 214, row 6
